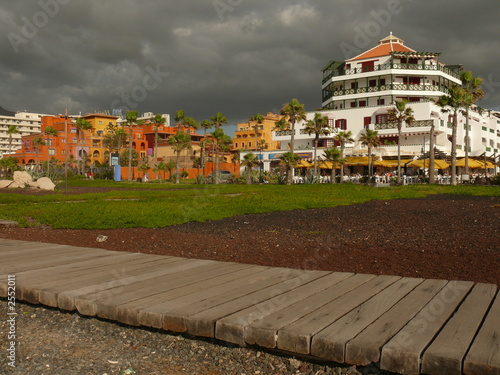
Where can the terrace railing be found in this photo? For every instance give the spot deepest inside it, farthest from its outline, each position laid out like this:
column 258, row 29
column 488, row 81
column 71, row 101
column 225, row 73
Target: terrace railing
column 389, row 66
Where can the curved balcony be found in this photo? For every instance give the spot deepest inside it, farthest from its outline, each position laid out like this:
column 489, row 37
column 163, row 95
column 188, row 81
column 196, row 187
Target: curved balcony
column 390, row 66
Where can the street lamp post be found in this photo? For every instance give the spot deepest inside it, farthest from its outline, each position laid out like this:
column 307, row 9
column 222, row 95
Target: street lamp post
column 66, row 148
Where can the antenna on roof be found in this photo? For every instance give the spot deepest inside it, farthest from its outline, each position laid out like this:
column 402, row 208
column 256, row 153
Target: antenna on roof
column 390, row 41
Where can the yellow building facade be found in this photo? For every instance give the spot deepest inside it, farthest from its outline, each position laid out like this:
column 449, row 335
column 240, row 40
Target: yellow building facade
column 257, row 137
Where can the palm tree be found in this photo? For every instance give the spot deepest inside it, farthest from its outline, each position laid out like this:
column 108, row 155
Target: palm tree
column 49, row 132
column 236, row 158
column 130, row 121
column 179, row 142
column 397, row 115
column 456, row 99
column 205, row 124
column 370, row 139
column 249, row 161
column 258, row 119
column 10, row 131
column 472, row 86
column 342, row 138
column 218, row 135
column 318, row 126
column 289, row 160
column 82, row 125
column 157, row 121
column 292, row 113
column 37, row 143
column 334, row 155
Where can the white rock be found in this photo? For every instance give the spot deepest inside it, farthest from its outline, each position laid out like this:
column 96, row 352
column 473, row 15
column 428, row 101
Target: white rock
column 15, row 185
column 22, row 179
column 45, row 183
column 5, row 183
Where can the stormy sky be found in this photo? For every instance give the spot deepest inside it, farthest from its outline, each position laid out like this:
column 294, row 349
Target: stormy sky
column 239, row 57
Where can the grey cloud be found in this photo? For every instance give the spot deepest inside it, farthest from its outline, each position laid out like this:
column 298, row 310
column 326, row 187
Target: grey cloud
column 253, row 58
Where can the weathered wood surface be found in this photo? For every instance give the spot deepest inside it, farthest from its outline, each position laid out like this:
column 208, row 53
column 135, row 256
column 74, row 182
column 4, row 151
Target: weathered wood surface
column 407, row 325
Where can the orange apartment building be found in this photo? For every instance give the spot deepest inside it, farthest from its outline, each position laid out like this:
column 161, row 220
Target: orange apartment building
column 91, row 146
column 249, row 134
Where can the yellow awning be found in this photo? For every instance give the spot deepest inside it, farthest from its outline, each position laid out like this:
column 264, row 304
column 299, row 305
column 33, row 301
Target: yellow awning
column 425, row 163
column 358, row 160
column 326, row 164
column 303, row 164
column 472, row 163
column 390, row 163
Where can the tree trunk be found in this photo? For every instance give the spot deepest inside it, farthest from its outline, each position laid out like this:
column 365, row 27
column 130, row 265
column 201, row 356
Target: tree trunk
column 341, row 165
column 431, row 155
column 398, row 180
column 177, row 169
column 454, row 149
column 467, row 141
column 130, row 153
column 292, row 148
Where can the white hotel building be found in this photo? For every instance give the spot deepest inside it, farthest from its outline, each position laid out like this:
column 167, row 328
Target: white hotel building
column 26, row 123
column 357, row 94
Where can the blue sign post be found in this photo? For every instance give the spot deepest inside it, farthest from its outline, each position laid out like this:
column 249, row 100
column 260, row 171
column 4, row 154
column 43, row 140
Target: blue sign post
column 118, row 173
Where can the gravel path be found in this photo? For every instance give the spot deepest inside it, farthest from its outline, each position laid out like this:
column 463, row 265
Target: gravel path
column 50, row 341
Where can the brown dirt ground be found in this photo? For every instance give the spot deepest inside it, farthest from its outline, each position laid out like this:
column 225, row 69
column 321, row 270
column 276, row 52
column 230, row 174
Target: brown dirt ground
column 441, row 236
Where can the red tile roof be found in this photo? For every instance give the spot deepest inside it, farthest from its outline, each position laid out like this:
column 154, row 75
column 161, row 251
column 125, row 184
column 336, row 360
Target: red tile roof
column 382, row 50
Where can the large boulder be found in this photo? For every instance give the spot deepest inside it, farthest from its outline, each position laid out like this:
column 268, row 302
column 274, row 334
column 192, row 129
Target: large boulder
column 5, row 183
column 45, row 183
column 22, row 179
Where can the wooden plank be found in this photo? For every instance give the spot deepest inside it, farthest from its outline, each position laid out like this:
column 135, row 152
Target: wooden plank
column 447, row 351
column 365, row 347
column 152, row 316
column 129, row 312
column 264, row 332
column 330, row 343
column 23, row 280
column 113, row 284
column 145, row 284
column 402, row 354
column 180, row 284
column 175, row 319
column 203, row 323
column 296, row 336
column 120, row 268
column 232, row 328
column 484, row 355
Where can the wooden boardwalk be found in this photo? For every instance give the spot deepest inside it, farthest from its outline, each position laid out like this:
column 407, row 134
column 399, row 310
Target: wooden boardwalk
column 407, row 325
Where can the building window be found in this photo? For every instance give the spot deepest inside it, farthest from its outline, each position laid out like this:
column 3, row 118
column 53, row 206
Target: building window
column 236, row 145
column 353, row 104
column 382, row 119
column 242, row 144
column 414, row 80
column 367, row 121
column 52, row 151
column 249, row 144
column 380, row 101
column 362, row 103
column 331, row 122
column 368, row 66
column 100, row 122
column 354, row 85
column 372, row 83
column 341, row 124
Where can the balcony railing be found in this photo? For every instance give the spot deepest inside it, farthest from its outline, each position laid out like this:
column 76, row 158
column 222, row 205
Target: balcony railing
column 393, row 86
column 283, row 133
column 414, row 124
column 389, row 66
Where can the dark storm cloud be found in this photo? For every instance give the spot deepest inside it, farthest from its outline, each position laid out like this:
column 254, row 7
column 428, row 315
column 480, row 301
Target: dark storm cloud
column 239, row 57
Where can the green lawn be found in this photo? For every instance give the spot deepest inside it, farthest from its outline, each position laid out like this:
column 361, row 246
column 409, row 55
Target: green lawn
column 158, row 205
